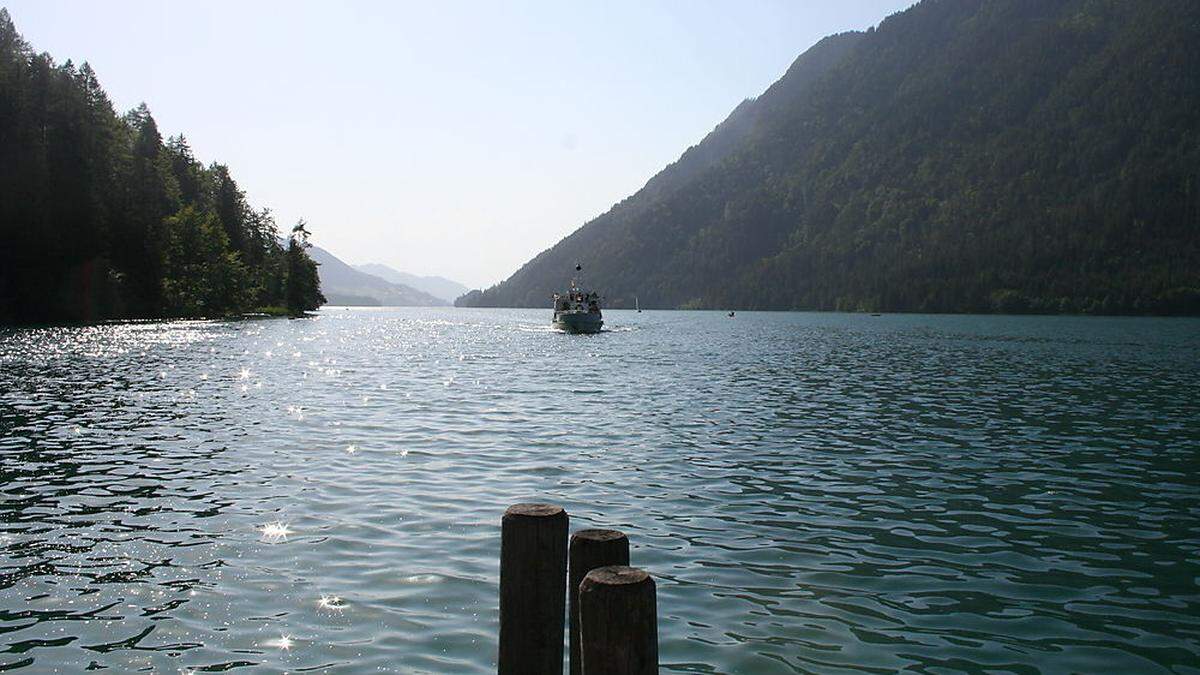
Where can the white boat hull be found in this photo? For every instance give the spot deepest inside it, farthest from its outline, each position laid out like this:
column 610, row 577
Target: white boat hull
column 578, row 322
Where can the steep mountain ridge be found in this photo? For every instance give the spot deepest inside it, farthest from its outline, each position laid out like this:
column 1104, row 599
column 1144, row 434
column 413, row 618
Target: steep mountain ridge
column 439, row 287
column 344, row 285
column 1012, row 155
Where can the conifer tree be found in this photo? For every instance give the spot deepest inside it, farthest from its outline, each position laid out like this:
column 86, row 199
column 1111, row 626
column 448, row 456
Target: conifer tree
column 100, row 219
column 303, row 284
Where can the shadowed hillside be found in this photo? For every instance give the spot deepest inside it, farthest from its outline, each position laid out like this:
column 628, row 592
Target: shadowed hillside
column 1009, row 155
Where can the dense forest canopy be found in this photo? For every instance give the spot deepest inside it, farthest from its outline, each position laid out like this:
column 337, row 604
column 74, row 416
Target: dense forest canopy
column 102, row 218
column 966, row 156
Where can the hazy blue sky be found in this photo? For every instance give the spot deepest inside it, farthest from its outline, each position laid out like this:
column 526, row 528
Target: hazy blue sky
column 446, row 138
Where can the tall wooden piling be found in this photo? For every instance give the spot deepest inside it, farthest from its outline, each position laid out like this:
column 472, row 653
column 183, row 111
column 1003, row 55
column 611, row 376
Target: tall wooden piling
column 589, row 549
column 533, row 572
column 618, row 622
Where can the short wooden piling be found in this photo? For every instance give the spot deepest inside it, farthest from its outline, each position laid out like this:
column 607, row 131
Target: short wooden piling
column 533, row 573
column 589, row 549
column 618, row 622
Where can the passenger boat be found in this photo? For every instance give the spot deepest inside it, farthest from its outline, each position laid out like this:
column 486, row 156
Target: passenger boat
column 578, row 310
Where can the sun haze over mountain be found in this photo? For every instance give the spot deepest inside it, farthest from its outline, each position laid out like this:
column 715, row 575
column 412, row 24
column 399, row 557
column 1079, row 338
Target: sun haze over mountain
column 449, row 138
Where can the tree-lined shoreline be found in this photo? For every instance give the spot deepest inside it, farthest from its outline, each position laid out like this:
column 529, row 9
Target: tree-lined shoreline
column 104, row 219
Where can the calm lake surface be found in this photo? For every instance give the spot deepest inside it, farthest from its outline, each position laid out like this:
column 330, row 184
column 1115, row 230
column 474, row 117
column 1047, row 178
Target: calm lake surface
column 812, row 492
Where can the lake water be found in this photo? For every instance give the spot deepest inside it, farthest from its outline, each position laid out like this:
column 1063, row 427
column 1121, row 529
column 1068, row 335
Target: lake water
column 812, row 492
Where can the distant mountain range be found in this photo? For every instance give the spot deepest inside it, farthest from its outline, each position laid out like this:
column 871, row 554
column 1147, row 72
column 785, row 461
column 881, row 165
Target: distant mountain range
column 344, row 285
column 965, row 156
column 438, row 287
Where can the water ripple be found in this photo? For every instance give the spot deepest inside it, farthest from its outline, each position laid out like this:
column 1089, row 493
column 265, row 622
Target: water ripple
column 813, row 492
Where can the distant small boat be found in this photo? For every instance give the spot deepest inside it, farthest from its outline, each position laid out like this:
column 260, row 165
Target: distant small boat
column 636, row 305
column 578, row 310
column 731, row 314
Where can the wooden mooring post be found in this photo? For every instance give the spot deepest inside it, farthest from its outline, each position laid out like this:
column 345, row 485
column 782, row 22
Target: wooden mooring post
column 589, row 550
column 533, row 572
column 618, row 622
column 614, row 614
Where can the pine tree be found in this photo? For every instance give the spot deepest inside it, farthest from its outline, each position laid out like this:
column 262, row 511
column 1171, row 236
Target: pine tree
column 99, row 218
column 303, row 284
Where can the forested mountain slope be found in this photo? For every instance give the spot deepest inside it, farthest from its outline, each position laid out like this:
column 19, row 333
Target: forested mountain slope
column 967, row 155
column 100, row 218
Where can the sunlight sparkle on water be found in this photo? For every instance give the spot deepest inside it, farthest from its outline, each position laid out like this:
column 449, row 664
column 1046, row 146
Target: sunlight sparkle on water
column 284, row 642
column 275, row 532
column 164, row 497
column 332, row 603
